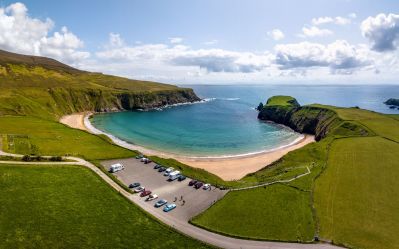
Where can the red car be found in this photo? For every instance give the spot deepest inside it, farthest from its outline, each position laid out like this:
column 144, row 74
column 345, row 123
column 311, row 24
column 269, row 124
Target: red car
column 198, row 185
column 192, row 182
column 145, row 193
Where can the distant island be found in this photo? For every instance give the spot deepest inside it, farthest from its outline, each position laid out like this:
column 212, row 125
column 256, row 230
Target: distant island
column 393, row 103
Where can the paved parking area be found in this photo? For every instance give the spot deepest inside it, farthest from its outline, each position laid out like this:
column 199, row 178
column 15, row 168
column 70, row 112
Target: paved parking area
column 196, row 201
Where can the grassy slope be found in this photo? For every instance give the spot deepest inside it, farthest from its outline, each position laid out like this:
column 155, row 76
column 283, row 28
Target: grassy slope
column 27, row 135
column 280, row 101
column 46, row 88
column 356, row 197
column 70, row 207
column 316, row 156
column 255, row 209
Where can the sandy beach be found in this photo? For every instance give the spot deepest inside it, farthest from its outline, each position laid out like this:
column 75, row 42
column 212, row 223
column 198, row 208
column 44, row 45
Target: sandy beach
column 227, row 168
column 75, row 120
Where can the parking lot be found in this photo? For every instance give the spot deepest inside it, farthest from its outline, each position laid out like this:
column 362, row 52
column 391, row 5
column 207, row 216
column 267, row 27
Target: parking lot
column 196, row 200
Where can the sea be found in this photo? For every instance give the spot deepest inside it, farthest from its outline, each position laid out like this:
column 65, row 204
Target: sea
column 225, row 123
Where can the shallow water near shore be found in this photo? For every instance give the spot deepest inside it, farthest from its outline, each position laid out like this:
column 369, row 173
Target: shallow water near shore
column 226, row 123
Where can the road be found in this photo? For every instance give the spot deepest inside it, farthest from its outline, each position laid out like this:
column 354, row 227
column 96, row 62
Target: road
column 180, row 225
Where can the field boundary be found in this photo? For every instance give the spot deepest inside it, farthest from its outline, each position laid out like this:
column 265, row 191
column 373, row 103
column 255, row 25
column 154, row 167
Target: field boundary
column 274, row 182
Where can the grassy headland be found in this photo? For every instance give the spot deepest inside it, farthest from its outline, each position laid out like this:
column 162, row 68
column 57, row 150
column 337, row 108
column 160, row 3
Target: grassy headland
column 42, row 87
column 351, row 191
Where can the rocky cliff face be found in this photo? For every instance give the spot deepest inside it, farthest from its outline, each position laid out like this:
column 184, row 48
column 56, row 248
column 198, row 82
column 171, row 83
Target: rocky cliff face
column 310, row 119
column 76, row 100
column 132, row 101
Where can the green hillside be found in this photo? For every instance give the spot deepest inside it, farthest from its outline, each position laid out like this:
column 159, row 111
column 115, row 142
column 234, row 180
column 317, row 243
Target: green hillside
column 351, row 192
column 46, row 88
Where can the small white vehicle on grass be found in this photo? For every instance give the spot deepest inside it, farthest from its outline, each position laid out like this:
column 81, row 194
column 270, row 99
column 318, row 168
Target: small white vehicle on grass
column 151, row 197
column 116, row 167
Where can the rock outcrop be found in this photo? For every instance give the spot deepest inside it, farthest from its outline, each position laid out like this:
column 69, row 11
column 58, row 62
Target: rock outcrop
column 317, row 120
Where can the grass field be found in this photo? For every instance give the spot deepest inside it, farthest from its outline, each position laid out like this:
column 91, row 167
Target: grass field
column 71, row 207
column 281, row 101
column 356, row 197
column 256, row 209
column 26, row 135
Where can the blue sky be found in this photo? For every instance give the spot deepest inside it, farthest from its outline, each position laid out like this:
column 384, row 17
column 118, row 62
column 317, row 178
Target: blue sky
column 214, row 41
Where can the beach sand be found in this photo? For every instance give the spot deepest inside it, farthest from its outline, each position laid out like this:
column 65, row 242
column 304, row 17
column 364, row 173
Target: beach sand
column 227, row 168
column 75, row 120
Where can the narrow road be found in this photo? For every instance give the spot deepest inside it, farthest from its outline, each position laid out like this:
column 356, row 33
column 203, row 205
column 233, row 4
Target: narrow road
column 182, row 226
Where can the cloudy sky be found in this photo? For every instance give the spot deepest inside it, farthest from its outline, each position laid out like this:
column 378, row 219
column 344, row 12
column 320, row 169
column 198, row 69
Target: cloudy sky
column 213, row 41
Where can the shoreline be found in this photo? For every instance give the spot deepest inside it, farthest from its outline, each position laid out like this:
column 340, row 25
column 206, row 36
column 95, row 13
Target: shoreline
column 230, row 167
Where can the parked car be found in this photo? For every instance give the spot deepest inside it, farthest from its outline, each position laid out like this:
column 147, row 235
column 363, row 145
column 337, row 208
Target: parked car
column 145, row 193
column 169, row 207
column 157, row 166
column 160, row 203
column 151, row 197
column 161, row 169
column 147, row 161
column 170, row 169
column 139, row 156
column 143, row 159
column 181, row 178
column 173, row 175
column 206, row 186
column 192, row 182
column 116, row 167
column 139, row 189
column 198, row 185
column 134, row 185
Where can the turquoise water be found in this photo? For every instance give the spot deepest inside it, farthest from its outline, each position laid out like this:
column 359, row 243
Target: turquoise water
column 226, row 124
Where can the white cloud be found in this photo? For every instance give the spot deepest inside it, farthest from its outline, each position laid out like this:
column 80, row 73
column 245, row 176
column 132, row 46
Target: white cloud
column 339, row 20
column 23, row 34
column 175, row 40
column 339, row 56
column 342, row 20
column 211, row 42
column 352, row 15
column 115, row 40
column 315, row 31
column 382, row 31
column 210, row 60
column 276, row 34
column 322, row 20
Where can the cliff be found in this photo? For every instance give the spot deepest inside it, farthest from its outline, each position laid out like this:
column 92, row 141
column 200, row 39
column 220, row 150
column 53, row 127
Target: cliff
column 39, row 86
column 313, row 119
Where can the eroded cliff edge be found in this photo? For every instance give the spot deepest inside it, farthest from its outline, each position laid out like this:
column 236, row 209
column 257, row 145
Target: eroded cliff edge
column 311, row 119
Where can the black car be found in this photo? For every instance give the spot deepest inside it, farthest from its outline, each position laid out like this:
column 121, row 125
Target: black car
column 134, row 185
column 192, row 182
column 161, row 169
column 181, row 178
column 157, row 166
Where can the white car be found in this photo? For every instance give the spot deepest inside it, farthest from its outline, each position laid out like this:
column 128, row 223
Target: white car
column 206, row 186
column 139, row 189
column 168, row 171
column 143, row 159
column 152, row 197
